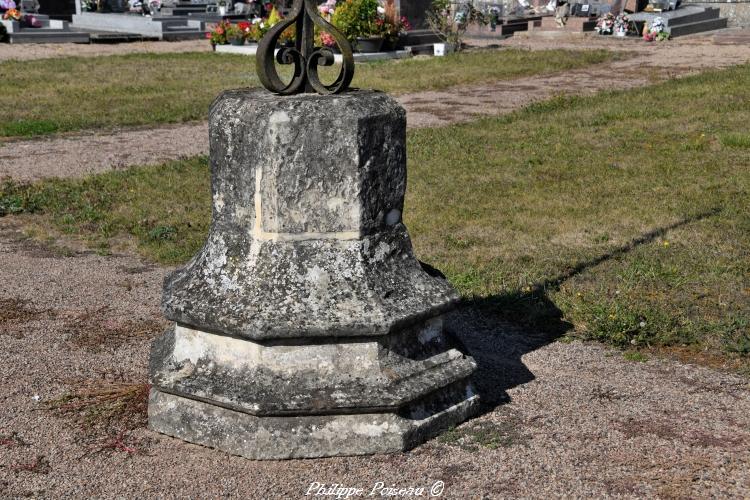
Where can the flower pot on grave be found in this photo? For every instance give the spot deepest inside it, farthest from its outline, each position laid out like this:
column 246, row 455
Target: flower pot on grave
column 370, row 44
column 237, row 41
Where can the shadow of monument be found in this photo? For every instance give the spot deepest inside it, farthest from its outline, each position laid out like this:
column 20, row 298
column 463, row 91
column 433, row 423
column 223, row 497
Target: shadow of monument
column 498, row 330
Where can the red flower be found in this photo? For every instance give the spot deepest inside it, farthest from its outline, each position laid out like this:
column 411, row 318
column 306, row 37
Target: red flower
column 219, row 30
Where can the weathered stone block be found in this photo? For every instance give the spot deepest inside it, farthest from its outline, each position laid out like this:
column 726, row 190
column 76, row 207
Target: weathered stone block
column 306, row 238
column 305, row 326
column 374, row 373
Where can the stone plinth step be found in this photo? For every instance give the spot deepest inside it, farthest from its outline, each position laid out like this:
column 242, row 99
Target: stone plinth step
column 707, row 15
column 514, row 27
column 180, row 11
column 145, row 26
column 180, row 27
column 685, row 20
column 48, row 36
column 312, row 436
column 555, row 35
column 573, row 24
column 698, row 27
column 210, row 17
column 116, row 37
column 186, row 34
column 250, row 49
column 420, row 37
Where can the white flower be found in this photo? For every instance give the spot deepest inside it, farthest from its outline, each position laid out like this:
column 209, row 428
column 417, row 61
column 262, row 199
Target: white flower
column 381, row 10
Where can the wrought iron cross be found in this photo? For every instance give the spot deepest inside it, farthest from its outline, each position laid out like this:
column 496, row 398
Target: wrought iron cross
column 304, row 55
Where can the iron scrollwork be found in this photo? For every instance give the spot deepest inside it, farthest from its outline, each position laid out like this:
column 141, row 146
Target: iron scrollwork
column 305, row 57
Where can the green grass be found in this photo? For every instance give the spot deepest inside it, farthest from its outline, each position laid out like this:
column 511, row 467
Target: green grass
column 636, row 356
column 626, row 214
column 132, row 202
column 64, row 94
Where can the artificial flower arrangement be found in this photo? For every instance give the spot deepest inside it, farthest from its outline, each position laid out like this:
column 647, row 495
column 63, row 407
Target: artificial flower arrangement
column 12, row 15
column 609, row 24
column 7, row 4
column 622, row 25
column 326, row 11
column 218, row 35
column 359, row 19
column 605, row 25
column 655, row 31
column 225, row 32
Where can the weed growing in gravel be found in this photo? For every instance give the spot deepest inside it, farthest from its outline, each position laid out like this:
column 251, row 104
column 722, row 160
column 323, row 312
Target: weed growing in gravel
column 635, row 356
column 12, row 440
column 40, row 465
column 93, row 331
column 476, row 434
column 103, row 405
column 14, row 312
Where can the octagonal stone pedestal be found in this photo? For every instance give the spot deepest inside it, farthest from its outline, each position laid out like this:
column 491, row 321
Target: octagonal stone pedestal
column 305, row 327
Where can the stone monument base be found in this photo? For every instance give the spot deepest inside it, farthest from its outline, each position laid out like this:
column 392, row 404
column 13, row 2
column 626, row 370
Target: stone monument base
column 311, row 436
column 313, row 398
column 305, row 327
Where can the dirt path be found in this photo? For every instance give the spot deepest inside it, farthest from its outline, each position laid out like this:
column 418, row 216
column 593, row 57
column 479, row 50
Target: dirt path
column 80, row 154
column 561, row 419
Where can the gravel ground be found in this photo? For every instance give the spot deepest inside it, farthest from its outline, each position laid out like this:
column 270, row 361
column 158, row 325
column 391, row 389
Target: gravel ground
column 81, row 154
column 573, row 419
column 9, row 52
column 77, row 155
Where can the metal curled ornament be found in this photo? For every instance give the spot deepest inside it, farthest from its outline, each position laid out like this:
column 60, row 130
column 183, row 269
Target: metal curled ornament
column 305, row 57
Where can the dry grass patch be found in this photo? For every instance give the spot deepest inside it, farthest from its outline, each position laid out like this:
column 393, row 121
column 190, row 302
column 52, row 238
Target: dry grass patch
column 93, row 331
column 40, row 465
column 102, row 403
column 15, row 312
column 12, row 440
column 107, row 412
column 482, row 433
